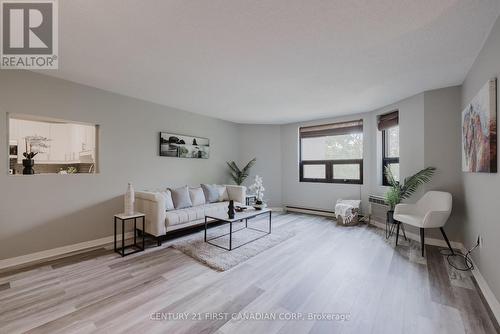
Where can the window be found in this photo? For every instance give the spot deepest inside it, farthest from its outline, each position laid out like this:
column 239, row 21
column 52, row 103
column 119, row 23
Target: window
column 389, row 125
column 40, row 145
column 332, row 153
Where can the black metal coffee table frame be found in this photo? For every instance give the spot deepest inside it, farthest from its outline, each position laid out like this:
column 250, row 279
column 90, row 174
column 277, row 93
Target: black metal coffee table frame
column 231, row 221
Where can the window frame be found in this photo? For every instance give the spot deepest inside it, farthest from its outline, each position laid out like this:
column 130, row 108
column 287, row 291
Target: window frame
column 329, row 177
column 386, row 161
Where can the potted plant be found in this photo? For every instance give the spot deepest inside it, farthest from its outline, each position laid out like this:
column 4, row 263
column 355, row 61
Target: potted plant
column 32, row 143
column 258, row 188
column 239, row 175
column 398, row 192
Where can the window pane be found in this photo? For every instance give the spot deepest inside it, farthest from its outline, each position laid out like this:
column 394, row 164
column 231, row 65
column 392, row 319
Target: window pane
column 395, row 170
column 349, row 146
column 392, row 138
column 348, row 172
column 314, row 171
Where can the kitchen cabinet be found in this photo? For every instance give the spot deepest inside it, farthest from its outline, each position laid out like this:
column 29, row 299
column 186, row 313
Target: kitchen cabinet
column 68, row 142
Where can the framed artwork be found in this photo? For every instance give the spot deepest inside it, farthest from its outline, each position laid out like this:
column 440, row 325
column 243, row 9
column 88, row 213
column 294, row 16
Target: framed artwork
column 182, row 146
column 479, row 131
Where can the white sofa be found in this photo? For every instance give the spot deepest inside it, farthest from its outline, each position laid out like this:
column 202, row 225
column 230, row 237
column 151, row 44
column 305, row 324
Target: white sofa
column 159, row 220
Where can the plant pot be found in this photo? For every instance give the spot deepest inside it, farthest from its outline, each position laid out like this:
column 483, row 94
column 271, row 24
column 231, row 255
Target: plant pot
column 390, row 216
column 28, row 166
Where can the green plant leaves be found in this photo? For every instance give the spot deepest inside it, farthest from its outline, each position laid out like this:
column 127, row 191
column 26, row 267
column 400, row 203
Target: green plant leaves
column 239, row 175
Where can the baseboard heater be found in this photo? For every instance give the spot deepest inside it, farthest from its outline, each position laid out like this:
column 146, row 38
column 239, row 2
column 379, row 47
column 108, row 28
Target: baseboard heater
column 319, row 212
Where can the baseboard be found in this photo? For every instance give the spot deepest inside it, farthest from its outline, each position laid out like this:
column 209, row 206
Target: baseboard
column 488, row 295
column 276, row 209
column 59, row 251
column 317, row 212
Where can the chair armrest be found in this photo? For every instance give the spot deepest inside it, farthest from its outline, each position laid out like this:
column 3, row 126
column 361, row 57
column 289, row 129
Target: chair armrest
column 152, row 204
column 237, row 193
column 433, row 219
column 402, row 209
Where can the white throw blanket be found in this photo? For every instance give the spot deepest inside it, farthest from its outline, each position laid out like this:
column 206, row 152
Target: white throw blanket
column 345, row 209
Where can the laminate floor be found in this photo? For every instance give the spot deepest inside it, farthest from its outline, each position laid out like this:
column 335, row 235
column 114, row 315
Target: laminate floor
column 325, row 279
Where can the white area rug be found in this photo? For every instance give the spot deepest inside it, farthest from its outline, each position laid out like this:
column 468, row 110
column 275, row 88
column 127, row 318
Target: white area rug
column 220, row 259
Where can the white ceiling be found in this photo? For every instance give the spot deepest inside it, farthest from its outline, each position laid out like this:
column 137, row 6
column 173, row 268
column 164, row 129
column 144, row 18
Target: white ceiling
column 271, row 61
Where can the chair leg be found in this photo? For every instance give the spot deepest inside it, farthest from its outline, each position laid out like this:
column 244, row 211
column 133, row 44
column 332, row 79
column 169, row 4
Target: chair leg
column 397, row 232
column 403, row 229
column 447, row 241
column 422, row 240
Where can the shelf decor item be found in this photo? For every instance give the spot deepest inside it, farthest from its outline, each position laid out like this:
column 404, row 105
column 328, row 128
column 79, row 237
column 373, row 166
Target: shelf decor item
column 129, row 200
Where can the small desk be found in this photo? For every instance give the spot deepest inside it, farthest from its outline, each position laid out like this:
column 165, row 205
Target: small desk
column 135, row 246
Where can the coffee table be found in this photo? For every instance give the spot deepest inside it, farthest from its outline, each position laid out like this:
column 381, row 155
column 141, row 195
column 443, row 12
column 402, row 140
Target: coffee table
column 238, row 217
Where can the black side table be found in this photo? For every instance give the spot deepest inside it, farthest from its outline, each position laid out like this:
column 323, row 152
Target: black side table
column 135, row 246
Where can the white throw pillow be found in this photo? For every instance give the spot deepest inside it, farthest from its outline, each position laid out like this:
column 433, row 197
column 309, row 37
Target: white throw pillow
column 223, row 195
column 181, row 198
column 197, row 196
column 169, row 204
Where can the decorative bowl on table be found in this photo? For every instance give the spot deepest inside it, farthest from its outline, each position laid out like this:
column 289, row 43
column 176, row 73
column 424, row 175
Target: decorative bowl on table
column 240, row 208
column 260, row 206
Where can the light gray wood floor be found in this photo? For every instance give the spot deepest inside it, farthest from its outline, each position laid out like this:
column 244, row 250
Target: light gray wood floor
column 324, row 270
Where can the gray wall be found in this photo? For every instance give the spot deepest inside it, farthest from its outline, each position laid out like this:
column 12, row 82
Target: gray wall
column 482, row 199
column 47, row 211
column 264, row 143
column 442, row 150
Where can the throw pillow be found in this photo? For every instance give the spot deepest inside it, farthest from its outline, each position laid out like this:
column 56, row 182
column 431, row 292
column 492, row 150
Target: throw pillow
column 197, row 196
column 223, row 195
column 211, row 192
column 180, row 197
column 169, row 205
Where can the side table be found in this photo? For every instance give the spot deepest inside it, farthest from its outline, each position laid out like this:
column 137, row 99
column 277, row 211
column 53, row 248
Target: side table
column 135, row 246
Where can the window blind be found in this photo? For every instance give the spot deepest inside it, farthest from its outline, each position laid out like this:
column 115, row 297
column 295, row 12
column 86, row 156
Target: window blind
column 387, row 121
column 331, row 129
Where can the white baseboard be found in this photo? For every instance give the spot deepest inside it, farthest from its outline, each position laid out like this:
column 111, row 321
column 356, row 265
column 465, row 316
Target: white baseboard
column 310, row 211
column 276, row 209
column 490, row 297
column 59, row 251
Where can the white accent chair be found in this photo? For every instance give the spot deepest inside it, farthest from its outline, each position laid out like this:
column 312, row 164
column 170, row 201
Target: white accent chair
column 431, row 211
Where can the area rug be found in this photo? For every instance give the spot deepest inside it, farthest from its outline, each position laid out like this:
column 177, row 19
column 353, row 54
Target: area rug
column 221, row 259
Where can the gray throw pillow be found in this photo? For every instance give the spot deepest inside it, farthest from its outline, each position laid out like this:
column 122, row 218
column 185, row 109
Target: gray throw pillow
column 180, row 197
column 211, row 192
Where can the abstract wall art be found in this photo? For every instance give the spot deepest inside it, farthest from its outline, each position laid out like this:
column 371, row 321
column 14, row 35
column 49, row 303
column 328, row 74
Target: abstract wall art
column 479, row 131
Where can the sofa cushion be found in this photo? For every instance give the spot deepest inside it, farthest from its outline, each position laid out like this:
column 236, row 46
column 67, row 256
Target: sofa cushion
column 211, row 192
column 197, row 196
column 180, row 197
column 223, row 194
column 169, row 205
column 186, row 215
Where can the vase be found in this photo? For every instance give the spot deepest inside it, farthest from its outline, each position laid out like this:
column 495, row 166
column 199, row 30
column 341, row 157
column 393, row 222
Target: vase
column 28, row 166
column 129, row 200
column 230, row 209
